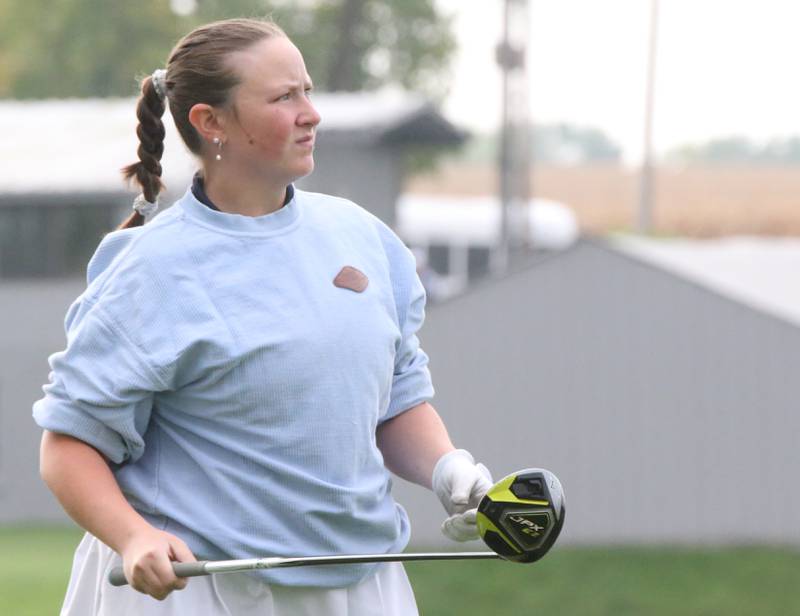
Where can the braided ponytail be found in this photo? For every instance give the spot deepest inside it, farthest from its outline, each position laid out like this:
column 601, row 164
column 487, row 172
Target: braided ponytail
column 150, row 130
column 199, row 72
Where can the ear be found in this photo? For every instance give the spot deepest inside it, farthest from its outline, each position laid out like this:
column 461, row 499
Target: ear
column 207, row 121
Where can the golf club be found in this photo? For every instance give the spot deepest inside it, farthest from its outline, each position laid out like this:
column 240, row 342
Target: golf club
column 206, row 567
column 519, row 518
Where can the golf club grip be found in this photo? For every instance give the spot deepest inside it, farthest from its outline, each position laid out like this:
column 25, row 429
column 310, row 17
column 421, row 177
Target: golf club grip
column 117, row 576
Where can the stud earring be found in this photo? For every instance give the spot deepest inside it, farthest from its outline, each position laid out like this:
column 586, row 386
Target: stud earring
column 218, row 142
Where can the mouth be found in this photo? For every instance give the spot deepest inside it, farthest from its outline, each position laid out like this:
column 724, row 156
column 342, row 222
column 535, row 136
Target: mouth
column 308, row 140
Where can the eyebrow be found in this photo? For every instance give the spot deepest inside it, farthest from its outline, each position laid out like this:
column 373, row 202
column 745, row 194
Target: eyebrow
column 294, row 85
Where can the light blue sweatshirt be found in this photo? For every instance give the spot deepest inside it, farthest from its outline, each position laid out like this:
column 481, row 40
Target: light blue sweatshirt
column 236, row 389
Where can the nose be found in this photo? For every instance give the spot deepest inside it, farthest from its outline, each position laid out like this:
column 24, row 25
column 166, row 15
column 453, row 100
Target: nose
column 309, row 115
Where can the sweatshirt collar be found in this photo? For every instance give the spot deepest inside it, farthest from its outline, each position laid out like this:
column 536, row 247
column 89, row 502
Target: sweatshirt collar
column 199, row 191
column 274, row 223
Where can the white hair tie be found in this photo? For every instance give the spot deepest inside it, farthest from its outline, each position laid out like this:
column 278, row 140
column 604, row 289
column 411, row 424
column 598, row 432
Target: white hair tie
column 145, row 207
column 159, row 79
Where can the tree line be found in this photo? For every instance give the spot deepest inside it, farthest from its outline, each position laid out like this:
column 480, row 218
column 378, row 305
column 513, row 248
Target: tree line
column 97, row 48
column 739, row 149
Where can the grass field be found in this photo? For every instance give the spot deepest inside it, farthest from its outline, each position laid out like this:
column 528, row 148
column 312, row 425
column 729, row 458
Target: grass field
column 570, row 581
column 693, row 201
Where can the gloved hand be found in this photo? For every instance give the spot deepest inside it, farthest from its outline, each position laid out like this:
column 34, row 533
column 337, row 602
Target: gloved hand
column 461, row 526
column 460, row 484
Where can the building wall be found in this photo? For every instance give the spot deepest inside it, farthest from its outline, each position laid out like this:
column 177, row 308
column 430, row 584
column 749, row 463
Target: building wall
column 372, row 176
column 49, row 235
column 668, row 412
column 31, row 328
column 54, row 234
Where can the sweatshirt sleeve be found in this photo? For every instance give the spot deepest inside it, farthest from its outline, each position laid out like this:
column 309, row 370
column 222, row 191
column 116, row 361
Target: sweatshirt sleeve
column 101, row 386
column 411, row 381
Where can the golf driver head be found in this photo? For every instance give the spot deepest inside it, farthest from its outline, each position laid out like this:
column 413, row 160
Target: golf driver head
column 521, row 516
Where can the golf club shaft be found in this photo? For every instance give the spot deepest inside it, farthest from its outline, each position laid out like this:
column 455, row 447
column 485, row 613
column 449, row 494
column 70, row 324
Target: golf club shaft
column 206, row 567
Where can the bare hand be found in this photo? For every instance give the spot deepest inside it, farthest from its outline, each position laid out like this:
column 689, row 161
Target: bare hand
column 147, row 560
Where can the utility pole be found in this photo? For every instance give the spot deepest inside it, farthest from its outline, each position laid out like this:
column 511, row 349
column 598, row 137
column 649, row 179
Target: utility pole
column 645, row 222
column 514, row 156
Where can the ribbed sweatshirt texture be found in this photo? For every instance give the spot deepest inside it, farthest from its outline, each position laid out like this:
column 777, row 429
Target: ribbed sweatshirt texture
column 236, row 389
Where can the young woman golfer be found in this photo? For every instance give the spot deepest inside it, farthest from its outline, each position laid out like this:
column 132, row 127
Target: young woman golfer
column 242, row 373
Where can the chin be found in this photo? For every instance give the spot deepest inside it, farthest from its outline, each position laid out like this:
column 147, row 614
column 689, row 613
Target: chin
column 304, row 170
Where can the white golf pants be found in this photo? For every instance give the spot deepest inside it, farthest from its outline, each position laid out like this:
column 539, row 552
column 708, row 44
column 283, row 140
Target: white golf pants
column 386, row 593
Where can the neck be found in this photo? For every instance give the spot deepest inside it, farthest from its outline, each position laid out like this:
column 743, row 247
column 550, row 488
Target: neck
column 246, row 196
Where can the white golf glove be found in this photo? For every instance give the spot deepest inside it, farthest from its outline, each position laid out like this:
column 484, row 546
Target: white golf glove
column 461, row 526
column 460, row 484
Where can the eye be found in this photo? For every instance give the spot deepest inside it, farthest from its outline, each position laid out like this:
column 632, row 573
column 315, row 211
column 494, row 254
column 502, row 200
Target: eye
column 309, row 91
column 285, row 97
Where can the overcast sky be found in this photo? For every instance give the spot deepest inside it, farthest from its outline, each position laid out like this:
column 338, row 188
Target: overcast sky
column 724, row 67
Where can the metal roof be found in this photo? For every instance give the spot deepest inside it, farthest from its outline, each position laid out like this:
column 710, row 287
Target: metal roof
column 79, row 145
column 759, row 272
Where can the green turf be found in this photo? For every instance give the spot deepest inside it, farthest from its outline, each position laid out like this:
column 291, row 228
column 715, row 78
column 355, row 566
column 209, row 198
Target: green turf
column 34, row 569
column 35, row 564
column 635, row 581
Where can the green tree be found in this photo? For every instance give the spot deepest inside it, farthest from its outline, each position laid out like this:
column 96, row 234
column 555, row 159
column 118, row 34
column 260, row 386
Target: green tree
column 98, row 47
column 739, row 149
column 782, row 151
column 553, row 144
column 358, row 44
column 559, row 143
column 83, row 47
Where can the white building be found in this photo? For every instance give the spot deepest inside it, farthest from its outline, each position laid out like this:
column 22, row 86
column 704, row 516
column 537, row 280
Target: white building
column 61, row 189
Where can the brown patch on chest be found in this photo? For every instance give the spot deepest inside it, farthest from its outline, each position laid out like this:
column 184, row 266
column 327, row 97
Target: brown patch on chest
column 351, row 278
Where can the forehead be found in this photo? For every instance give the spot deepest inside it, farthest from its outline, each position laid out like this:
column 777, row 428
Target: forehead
column 273, row 62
